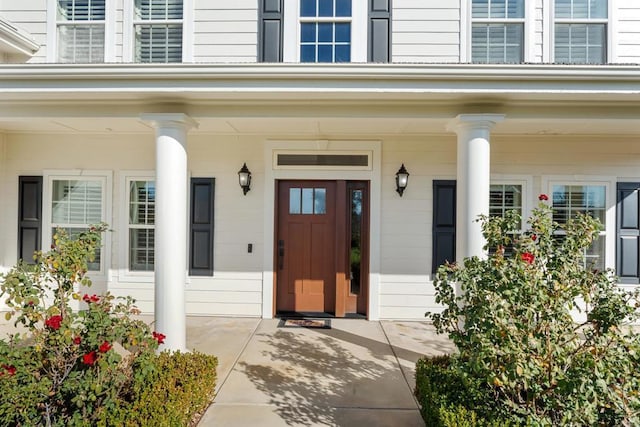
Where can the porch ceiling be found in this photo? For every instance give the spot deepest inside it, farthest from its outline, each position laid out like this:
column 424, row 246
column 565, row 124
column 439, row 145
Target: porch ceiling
column 317, row 101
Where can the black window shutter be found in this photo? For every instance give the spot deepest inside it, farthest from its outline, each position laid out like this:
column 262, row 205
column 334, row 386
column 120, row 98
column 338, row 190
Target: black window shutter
column 201, row 227
column 444, row 223
column 29, row 216
column 379, row 30
column 628, row 232
column 270, row 31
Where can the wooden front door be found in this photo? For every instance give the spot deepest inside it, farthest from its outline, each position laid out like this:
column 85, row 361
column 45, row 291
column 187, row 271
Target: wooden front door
column 305, row 246
column 322, row 247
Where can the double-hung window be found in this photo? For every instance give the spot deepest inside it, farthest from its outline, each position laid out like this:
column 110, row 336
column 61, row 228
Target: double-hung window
column 80, row 30
column 580, row 31
column 158, row 30
column 325, row 30
column 75, row 204
column 142, row 195
column 497, row 31
column 504, row 198
column 568, row 200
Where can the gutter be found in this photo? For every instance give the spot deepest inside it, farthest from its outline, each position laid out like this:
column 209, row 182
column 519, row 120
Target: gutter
column 325, row 72
column 16, row 41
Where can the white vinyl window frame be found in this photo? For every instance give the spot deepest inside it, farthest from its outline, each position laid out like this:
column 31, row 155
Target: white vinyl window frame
column 105, row 179
column 610, row 22
column 467, row 21
column 609, row 184
column 292, row 29
column 526, row 186
column 109, row 31
column 129, row 31
column 125, row 274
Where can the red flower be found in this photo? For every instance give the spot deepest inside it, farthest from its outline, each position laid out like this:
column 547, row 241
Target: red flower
column 10, row 369
column 54, row 322
column 543, row 197
column 77, row 340
column 534, row 237
column 90, row 358
column 89, row 299
column 528, row 257
column 104, row 347
column 159, row 337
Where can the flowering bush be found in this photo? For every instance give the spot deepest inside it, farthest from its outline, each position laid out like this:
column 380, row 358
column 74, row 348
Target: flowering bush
column 518, row 342
column 70, row 366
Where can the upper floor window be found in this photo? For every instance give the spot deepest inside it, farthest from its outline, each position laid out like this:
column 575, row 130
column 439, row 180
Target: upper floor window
column 497, row 31
column 580, row 31
column 158, row 30
column 80, row 30
column 325, row 30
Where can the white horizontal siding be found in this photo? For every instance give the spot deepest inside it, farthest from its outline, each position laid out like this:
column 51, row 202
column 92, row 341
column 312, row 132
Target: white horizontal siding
column 225, row 31
column 425, row 31
column 628, row 32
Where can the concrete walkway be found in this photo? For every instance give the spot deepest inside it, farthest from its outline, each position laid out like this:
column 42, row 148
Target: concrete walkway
column 356, row 373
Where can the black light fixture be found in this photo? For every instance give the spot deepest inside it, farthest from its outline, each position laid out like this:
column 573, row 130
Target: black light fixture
column 244, row 177
column 402, row 178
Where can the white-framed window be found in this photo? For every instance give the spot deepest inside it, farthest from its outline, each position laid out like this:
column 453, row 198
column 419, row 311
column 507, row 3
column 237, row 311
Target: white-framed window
column 141, row 220
column 580, row 31
column 137, row 222
column 158, row 31
column 505, row 197
column 497, row 31
column 325, row 31
column 80, row 30
column 73, row 202
column 569, row 198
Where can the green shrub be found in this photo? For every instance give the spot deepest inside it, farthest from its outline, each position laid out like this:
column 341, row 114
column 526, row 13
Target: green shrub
column 448, row 399
column 65, row 371
column 180, row 386
column 513, row 327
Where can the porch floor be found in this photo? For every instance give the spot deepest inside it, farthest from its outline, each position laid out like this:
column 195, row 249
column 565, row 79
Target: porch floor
column 356, row 373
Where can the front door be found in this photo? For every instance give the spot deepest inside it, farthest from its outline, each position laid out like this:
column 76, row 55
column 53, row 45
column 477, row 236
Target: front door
column 305, row 249
column 322, row 247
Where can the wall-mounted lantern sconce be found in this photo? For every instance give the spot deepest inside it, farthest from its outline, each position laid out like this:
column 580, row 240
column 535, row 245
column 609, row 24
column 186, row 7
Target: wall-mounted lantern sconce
column 402, row 178
column 244, row 177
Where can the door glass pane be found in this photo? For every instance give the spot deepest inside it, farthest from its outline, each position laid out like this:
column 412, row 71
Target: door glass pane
column 355, row 250
column 320, row 201
column 307, row 201
column 294, row 200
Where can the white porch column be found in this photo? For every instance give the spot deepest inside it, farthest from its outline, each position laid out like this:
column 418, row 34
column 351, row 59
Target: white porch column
column 473, row 179
column 171, row 226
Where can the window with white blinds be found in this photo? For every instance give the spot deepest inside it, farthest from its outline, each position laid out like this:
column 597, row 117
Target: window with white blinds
column 75, row 205
column 142, row 196
column 580, row 31
column 158, row 30
column 497, row 31
column 80, row 28
column 569, row 200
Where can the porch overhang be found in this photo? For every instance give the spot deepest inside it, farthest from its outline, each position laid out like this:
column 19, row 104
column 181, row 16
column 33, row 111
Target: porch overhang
column 538, row 99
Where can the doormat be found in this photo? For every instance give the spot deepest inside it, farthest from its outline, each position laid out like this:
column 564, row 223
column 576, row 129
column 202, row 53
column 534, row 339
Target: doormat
column 305, row 323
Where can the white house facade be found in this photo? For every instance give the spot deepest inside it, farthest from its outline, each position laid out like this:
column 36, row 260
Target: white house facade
column 142, row 114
